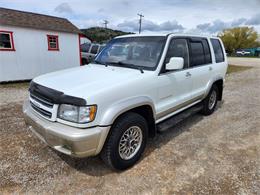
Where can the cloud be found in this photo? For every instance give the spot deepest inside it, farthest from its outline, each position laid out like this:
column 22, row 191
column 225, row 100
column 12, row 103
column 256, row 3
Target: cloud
column 171, row 26
column 255, row 20
column 238, row 22
column 213, row 27
column 148, row 25
column 204, row 26
column 219, row 25
column 64, row 8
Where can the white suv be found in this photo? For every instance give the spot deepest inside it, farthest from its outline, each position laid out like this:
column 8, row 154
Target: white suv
column 137, row 85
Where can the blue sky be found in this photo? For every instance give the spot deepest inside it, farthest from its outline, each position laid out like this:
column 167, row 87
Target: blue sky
column 189, row 16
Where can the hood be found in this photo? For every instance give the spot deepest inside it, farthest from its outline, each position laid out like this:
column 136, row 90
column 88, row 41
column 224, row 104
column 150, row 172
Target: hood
column 87, row 80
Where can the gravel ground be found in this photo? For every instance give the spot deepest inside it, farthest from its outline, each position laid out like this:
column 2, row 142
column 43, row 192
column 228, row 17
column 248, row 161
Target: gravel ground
column 244, row 61
column 219, row 154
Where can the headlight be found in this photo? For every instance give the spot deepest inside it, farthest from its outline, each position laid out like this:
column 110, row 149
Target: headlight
column 77, row 114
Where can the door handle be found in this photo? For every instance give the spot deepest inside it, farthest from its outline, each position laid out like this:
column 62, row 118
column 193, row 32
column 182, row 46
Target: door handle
column 188, row 74
column 210, row 68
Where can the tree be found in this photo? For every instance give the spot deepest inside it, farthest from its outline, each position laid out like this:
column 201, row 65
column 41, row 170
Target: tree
column 239, row 38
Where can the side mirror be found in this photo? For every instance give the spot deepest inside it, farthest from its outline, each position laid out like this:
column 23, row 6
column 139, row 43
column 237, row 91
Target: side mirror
column 175, row 63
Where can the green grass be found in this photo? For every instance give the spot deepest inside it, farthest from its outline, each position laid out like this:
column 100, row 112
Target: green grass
column 17, row 85
column 235, row 68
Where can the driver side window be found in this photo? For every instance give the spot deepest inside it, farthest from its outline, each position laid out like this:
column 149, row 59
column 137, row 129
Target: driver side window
column 178, row 48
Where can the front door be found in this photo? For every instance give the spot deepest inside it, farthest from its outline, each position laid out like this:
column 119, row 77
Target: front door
column 174, row 87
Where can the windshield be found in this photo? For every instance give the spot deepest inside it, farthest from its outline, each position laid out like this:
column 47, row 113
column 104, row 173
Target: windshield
column 133, row 52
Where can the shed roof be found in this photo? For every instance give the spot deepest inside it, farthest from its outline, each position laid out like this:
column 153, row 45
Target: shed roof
column 36, row 21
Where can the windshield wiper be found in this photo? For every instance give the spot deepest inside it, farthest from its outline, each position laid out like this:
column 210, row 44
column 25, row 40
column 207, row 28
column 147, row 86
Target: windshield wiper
column 126, row 65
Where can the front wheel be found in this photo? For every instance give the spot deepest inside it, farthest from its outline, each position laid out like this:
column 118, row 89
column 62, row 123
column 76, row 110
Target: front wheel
column 126, row 142
column 210, row 102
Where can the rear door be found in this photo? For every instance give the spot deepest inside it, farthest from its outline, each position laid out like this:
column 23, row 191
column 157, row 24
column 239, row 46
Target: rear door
column 201, row 66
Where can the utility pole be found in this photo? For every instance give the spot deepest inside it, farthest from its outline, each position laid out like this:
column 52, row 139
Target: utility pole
column 140, row 22
column 105, row 23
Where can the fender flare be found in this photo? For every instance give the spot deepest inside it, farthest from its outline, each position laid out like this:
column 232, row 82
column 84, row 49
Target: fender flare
column 211, row 82
column 118, row 108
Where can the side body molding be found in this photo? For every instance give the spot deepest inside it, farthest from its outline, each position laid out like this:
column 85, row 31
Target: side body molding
column 120, row 107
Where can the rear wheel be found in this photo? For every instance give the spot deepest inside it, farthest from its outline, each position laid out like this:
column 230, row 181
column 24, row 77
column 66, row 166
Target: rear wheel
column 210, row 102
column 126, row 143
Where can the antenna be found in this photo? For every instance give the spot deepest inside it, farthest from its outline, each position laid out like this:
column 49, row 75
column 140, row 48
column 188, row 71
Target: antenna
column 140, row 22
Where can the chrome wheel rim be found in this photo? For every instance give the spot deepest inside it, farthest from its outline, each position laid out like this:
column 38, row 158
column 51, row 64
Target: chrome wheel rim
column 212, row 99
column 130, row 142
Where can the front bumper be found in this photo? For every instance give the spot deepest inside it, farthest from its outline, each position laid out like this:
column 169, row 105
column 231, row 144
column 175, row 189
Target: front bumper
column 66, row 139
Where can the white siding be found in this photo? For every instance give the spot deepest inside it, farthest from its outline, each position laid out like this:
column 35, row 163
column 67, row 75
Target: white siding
column 31, row 56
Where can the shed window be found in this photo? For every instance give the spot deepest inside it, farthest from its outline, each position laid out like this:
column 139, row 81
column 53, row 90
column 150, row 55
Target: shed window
column 53, row 43
column 6, row 41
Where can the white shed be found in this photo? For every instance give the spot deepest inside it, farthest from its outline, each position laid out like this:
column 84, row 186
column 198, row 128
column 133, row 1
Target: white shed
column 33, row 44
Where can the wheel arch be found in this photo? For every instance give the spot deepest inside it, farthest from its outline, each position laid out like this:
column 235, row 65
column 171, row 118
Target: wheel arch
column 219, row 82
column 141, row 105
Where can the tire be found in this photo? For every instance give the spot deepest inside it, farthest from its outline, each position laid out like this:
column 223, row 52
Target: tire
column 110, row 154
column 210, row 102
column 84, row 61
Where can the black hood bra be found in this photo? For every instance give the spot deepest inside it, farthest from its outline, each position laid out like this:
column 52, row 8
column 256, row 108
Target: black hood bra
column 54, row 96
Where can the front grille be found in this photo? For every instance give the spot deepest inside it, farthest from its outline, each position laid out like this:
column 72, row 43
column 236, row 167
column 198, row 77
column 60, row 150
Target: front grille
column 41, row 111
column 43, row 106
column 42, row 100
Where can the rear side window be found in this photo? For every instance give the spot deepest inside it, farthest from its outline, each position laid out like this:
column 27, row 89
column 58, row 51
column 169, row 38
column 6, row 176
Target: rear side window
column 197, row 54
column 85, row 47
column 219, row 55
column 206, row 52
column 200, row 52
column 94, row 49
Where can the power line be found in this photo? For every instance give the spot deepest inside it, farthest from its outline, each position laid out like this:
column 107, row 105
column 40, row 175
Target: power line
column 140, row 22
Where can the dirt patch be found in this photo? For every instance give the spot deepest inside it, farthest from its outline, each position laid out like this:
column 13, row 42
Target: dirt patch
column 13, row 94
